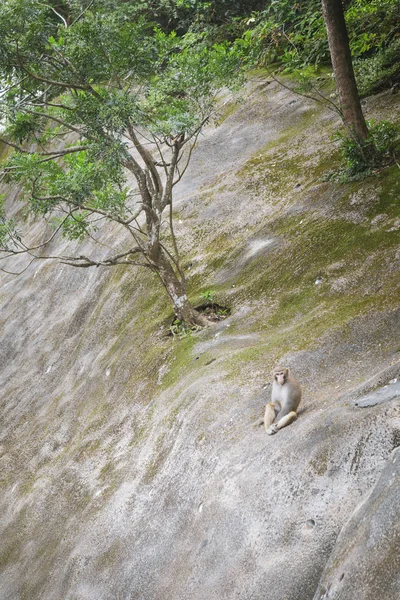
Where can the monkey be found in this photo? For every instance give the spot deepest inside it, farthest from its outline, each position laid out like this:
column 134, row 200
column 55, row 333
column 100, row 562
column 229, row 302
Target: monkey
column 285, row 398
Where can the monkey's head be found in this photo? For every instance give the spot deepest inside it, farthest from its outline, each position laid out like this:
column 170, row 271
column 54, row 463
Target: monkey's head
column 280, row 374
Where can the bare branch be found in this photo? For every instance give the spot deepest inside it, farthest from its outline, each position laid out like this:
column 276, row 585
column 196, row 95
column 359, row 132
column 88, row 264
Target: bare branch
column 91, row 209
column 55, row 12
column 8, row 143
column 189, row 156
column 135, row 215
column 20, row 272
column 83, row 12
column 42, row 245
column 85, row 261
column 148, row 159
column 112, row 217
column 321, row 100
column 162, row 162
column 176, row 148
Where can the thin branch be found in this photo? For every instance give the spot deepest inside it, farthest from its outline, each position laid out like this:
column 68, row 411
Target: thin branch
column 90, row 209
column 111, row 216
column 56, row 120
column 8, row 143
column 163, row 163
column 82, row 13
column 84, row 261
column 69, row 86
column 135, row 215
column 70, row 261
column 189, row 155
column 55, row 12
column 48, row 159
column 42, row 245
column 60, row 84
column 62, row 106
column 20, row 272
column 70, row 150
column 166, row 197
column 322, row 100
column 138, row 133
column 147, row 158
column 148, row 266
column 132, row 165
column 52, row 156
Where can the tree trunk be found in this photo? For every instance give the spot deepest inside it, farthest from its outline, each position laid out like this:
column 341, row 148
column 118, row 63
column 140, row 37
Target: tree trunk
column 176, row 290
column 342, row 64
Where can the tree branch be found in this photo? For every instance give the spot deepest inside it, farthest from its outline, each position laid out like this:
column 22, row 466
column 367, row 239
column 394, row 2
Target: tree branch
column 55, row 12
column 83, row 12
column 189, row 156
column 90, row 209
column 8, row 143
column 322, row 100
column 68, row 86
column 176, row 148
column 148, row 159
column 20, row 272
column 56, row 120
column 42, row 245
column 84, row 261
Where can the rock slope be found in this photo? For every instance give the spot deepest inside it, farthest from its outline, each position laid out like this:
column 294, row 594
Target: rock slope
column 130, row 463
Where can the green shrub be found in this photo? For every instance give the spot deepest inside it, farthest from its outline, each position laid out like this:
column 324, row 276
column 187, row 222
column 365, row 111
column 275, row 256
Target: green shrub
column 361, row 158
column 378, row 71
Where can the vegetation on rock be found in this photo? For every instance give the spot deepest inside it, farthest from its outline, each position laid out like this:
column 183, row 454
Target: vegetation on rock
column 93, row 97
column 126, row 453
column 103, row 103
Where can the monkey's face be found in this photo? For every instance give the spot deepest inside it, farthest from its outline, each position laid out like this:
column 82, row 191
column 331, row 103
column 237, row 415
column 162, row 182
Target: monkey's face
column 281, row 376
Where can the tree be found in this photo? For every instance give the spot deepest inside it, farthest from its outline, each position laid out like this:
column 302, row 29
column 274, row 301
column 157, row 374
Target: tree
column 339, row 47
column 91, row 94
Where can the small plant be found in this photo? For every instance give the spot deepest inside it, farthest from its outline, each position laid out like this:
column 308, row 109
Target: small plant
column 180, row 330
column 208, row 295
column 212, row 310
column 361, row 158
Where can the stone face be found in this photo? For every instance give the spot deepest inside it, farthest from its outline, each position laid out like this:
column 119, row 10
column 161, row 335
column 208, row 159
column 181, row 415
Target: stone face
column 130, row 466
column 365, row 562
column 388, row 392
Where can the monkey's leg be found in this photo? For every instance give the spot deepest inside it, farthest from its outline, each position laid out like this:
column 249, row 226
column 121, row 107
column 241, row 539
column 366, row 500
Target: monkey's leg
column 283, row 422
column 269, row 415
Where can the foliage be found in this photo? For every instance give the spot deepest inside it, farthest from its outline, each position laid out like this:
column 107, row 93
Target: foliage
column 96, row 94
column 9, row 235
column 381, row 70
column 374, row 42
column 372, row 25
column 133, row 100
column 361, row 158
column 95, row 78
column 179, row 329
column 292, row 36
column 216, row 20
column 208, row 295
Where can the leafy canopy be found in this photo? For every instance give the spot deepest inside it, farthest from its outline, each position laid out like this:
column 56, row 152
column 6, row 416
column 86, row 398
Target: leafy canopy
column 75, row 77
